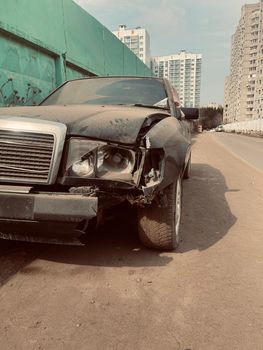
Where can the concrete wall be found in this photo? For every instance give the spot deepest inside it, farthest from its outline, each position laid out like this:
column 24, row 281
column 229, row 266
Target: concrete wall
column 45, row 42
column 246, row 127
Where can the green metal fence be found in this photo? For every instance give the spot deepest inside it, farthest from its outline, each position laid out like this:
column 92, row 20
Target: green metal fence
column 45, row 42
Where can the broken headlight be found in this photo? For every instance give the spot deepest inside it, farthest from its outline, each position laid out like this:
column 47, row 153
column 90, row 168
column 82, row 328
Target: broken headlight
column 111, row 159
column 94, row 159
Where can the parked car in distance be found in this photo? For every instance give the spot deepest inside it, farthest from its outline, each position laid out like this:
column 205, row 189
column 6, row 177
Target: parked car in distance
column 220, row 128
column 92, row 144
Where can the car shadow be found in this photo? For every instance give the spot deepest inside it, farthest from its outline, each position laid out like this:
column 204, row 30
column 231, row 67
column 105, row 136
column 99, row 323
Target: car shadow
column 14, row 256
column 206, row 217
column 116, row 244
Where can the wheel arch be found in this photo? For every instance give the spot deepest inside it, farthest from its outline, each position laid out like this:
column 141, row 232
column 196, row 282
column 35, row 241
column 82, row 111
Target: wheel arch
column 167, row 135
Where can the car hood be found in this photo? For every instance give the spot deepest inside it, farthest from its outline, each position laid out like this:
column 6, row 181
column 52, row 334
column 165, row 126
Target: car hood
column 110, row 123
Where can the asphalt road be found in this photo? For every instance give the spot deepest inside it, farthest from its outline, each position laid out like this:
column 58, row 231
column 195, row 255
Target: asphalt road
column 114, row 294
column 249, row 149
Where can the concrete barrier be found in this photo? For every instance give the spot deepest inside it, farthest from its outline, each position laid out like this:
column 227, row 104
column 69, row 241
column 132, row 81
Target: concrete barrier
column 246, row 127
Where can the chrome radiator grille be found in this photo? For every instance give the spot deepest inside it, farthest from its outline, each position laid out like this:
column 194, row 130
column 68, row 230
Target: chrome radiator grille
column 25, row 156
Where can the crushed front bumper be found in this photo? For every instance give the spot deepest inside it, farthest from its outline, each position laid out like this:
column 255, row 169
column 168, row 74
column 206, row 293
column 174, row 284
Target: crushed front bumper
column 49, row 217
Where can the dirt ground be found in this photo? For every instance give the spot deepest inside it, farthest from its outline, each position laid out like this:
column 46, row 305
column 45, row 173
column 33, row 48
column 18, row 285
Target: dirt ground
column 117, row 295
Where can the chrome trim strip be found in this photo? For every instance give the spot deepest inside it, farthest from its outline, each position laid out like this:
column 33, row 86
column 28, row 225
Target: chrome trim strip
column 14, row 189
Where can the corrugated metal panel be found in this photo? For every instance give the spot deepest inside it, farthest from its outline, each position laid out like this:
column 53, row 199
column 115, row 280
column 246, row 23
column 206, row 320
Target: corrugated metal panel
column 74, row 73
column 129, row 62
column 27, row 75
column 39, row 21
column 113, row 54
column 84, row 38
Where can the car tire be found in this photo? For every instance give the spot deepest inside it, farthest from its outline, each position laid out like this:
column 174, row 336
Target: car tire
column 187, row 169
column 159, row 227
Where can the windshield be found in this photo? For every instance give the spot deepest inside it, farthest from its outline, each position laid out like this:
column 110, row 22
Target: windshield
column 109, row 91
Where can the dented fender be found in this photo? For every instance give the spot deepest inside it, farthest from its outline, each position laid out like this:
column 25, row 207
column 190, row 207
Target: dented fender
column 168, row 135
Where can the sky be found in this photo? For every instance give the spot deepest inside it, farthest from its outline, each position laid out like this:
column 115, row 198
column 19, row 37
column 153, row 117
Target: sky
column 198, row 26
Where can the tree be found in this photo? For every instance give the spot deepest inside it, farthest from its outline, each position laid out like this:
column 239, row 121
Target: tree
column 210, row 117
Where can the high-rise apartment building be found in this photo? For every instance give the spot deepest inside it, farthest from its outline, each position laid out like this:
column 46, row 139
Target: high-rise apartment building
column 137, row 40
column 184, row 72
column 244, row 85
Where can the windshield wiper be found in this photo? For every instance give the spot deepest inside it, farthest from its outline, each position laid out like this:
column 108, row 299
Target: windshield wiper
column 150, row 106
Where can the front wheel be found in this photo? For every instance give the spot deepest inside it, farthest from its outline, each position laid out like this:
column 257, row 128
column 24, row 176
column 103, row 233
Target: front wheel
column 159, row 227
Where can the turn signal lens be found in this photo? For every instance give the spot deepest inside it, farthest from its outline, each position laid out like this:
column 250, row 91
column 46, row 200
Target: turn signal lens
column 83, row 168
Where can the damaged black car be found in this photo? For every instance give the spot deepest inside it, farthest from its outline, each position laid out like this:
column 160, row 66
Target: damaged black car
column 90, row 145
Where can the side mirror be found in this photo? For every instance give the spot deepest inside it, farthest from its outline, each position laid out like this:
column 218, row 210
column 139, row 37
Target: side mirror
column 190, row 113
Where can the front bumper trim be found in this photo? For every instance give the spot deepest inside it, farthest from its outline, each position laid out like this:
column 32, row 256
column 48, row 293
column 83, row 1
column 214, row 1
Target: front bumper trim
column 62, row 207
